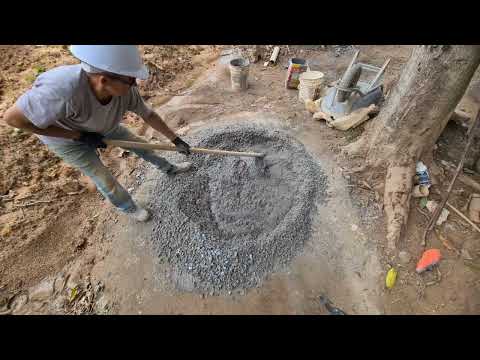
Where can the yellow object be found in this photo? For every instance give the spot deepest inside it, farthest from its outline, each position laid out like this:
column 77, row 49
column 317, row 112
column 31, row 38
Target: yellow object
column 391, row 278
column 73, row 294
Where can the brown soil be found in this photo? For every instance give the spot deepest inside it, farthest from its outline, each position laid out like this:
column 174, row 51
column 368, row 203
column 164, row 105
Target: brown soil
column 76, row 233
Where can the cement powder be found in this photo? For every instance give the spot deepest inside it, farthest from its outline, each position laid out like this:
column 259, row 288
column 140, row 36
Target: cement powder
column 232, row 220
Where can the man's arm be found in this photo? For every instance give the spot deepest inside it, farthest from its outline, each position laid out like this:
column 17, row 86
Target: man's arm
column 156, row 122
column 14, row 117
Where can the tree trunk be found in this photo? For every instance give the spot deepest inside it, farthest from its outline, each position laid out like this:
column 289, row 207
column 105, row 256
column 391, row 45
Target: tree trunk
column 417, row 110
column 432, row 83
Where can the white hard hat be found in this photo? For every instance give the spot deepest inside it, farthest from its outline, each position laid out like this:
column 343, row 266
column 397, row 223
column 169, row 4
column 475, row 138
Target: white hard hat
column 118, row 59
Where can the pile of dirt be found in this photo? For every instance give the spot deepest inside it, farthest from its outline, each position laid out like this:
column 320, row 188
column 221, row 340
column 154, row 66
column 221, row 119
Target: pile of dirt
column 231, row 222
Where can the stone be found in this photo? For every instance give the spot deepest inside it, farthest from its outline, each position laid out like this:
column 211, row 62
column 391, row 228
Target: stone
column 59, row 304
column 42, row 291
column 466, row 255
column 102, row 305
column 75, row 276
column 18, row 303
column 59, row 283
column 404, row 257
column 6, row 230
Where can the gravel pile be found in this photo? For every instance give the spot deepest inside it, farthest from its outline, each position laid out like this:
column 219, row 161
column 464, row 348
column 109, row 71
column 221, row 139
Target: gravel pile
column 233, row 220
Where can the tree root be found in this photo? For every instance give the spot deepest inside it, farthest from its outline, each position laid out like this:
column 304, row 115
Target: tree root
column 355, row 149
column 398, row 185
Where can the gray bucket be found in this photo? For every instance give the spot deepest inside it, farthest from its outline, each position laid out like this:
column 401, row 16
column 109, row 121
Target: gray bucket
column 239, row 74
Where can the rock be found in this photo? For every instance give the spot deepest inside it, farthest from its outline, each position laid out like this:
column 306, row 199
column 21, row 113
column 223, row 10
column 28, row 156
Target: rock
column 474, row 208
column 431, row 206
column 443, row 216
column 404, row 257
column 42, row 291
column 59, row 283
column 6, row 230
column 75, row 276
column 102, row 305
column 37, row 306
column 466, row 254
column 182, row 131
column 59, row 304
column 4, row 299
column 18, row 303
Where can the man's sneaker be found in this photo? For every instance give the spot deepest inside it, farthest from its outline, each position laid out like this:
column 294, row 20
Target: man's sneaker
column 139, row 214
column 180, row 168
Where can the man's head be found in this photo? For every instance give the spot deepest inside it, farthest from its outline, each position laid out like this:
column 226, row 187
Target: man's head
column 109, row 83
column 112, row 69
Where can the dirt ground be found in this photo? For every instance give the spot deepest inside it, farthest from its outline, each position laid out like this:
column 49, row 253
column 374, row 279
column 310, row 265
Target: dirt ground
column 64, row 250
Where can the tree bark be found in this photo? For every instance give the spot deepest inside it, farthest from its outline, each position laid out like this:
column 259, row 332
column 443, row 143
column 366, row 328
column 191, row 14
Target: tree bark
column 417, row 110
column 432, row 83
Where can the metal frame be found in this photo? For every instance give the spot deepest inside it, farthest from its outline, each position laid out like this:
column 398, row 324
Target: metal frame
column 363, row 88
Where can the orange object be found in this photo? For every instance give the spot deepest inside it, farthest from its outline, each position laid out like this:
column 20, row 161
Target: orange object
column 429, row 259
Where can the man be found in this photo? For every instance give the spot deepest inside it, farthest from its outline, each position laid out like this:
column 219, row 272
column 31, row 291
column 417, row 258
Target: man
column 73, row 108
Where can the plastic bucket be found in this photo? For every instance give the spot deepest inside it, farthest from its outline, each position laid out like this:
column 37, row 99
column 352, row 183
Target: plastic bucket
column 239, row 74
column 296, row 67
column 310, row 84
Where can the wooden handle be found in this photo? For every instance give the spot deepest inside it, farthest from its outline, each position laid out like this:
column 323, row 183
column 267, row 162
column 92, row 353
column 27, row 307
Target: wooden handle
column 165, row 147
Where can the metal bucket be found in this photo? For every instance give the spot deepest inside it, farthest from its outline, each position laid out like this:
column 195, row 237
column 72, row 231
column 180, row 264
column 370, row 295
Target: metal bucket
column 239, row 74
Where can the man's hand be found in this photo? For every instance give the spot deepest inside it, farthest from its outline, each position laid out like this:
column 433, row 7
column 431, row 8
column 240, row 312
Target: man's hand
column 182, row 146
column 92, row 139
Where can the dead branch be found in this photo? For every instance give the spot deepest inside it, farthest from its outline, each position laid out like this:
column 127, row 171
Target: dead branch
column 33, row 203
column 462, row 216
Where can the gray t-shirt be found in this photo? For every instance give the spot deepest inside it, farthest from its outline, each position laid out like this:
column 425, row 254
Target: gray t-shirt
column 62, row 97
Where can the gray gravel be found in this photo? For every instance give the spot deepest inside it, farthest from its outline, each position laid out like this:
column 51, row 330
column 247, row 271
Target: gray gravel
column 233, row 220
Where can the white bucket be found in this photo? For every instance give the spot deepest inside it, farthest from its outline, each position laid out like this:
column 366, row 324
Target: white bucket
column 239, row 74
column 310, row 84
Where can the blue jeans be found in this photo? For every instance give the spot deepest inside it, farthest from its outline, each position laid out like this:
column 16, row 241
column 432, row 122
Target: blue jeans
column 87, row 161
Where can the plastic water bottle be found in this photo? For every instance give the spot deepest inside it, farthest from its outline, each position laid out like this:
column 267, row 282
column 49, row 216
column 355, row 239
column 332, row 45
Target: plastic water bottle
column 423, row 176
